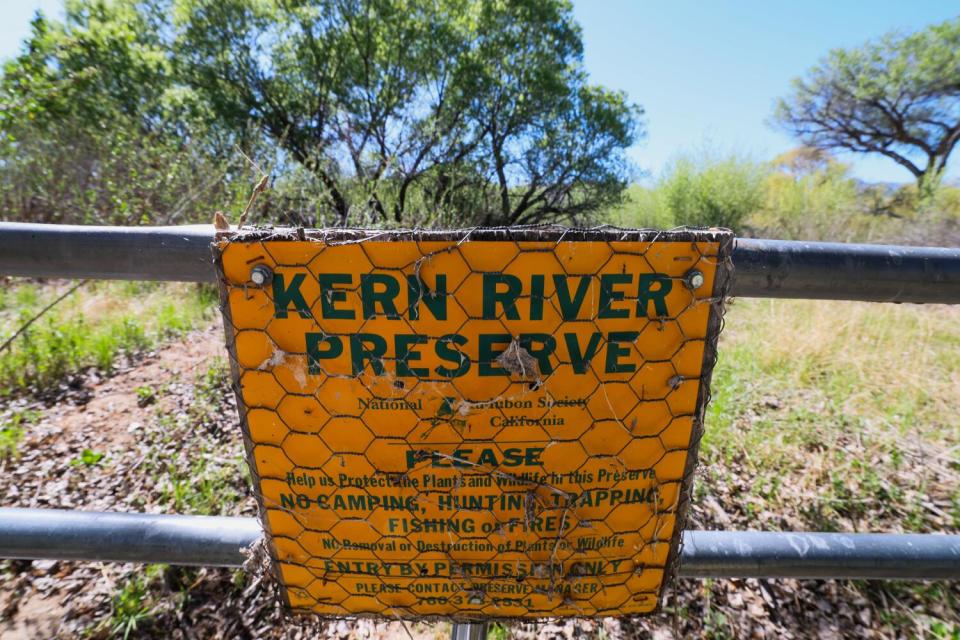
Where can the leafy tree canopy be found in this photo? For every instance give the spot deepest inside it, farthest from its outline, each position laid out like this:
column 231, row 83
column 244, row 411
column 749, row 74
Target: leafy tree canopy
column 405, row 107
column 898, row 97
column 95, row 126
column 410, row 111
column 106, row 60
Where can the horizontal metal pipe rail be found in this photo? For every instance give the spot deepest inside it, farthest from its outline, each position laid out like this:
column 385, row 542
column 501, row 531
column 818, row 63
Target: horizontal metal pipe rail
column 219, row 541
column 55, row 534
column 762, row 268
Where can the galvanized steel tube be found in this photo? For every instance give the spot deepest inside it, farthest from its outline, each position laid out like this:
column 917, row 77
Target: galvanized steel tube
column 839, row 271
column 125, row 537
column 469, row 630
column 107, row 253
column 219, row 541
column 762, row 268
column 762, row 554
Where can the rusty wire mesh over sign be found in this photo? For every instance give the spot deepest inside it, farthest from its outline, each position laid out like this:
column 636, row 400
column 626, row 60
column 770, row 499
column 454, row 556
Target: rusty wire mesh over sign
column 472, row 424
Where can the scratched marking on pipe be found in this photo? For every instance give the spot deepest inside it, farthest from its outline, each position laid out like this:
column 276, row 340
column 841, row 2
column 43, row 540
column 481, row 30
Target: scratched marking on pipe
column 494, row 424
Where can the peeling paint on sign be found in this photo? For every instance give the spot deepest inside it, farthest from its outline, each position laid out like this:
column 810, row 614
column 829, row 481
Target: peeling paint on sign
column 474, row 424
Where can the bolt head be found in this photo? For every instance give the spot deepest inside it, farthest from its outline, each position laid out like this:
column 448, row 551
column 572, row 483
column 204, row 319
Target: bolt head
column 695, row 279
column 260, row 275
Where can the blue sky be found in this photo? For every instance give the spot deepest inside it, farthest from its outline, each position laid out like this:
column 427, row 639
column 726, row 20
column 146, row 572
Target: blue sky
column 707, row 72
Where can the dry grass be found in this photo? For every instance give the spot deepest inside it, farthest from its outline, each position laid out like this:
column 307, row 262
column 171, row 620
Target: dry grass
column 91, row 328
column 842, row 415
column 870, row 354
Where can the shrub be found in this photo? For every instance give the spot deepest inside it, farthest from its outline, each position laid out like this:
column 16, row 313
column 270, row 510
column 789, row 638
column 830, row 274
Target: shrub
column 711, row 193
column 819, row 199
column 642, row 208
column 702, row 192
column 812, row 204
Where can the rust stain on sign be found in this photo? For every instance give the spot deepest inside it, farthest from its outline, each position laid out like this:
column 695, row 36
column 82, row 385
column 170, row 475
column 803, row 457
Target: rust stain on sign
column 477, row 424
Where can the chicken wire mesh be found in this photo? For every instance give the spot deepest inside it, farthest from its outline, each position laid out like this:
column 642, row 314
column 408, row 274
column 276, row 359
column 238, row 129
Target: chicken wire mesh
column 476, row 424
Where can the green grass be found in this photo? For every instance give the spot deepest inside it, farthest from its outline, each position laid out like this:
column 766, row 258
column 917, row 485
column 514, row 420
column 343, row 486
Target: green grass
column 146, row 395
column 208, row 487
column 205, row 477
column 88, row 458
column 132, row 606
column 840, row 416
column 92, row 328
column 843, row 414
column 209, row 391
column 11, row 430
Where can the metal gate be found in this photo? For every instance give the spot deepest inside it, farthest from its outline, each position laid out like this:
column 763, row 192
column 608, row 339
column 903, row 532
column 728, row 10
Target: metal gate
column 762, row 269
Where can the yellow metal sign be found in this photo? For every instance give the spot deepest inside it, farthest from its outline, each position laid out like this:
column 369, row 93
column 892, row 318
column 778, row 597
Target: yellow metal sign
column 483, row 424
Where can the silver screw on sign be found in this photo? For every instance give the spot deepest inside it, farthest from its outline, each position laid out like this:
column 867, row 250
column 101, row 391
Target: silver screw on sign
column 260, row 275
column 694, row 280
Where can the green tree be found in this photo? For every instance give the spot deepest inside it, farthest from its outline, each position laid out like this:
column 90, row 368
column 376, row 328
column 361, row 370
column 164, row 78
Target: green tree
column 95, row 126
column 898, row 97
column 411, row 107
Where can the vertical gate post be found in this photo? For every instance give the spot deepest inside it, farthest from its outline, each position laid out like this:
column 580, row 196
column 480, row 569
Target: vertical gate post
column 469, row 631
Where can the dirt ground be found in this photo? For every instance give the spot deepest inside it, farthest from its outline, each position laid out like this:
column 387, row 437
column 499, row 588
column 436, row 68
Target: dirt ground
column 160, row 436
